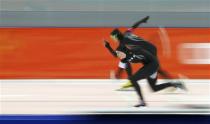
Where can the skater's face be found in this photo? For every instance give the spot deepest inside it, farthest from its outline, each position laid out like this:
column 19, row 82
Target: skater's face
column 121, row 55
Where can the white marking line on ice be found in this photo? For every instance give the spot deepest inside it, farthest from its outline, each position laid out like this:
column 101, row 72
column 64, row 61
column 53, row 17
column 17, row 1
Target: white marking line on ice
column 13, row 95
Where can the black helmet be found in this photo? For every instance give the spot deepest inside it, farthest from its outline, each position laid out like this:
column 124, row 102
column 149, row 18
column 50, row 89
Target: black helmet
column 116, row 33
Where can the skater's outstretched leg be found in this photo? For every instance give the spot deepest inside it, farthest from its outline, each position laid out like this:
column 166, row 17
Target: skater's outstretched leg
column 157, row 87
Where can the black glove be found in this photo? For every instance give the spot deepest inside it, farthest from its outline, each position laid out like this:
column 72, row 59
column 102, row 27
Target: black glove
column 106, row 44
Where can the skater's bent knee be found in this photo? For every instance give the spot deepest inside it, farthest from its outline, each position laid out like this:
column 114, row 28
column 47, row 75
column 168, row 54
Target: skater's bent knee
column 154, row 89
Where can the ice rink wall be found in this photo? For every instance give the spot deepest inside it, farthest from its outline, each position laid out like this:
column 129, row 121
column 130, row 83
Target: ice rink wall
column 63, row 39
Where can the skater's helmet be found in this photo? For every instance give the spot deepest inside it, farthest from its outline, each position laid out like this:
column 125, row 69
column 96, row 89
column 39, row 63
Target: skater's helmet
column 116, row 34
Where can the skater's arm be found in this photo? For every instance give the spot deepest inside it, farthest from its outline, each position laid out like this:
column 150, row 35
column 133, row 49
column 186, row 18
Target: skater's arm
column 107, row 45
column 135, row 25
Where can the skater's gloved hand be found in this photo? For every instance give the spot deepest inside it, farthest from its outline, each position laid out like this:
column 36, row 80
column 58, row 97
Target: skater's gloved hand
column 106, row 43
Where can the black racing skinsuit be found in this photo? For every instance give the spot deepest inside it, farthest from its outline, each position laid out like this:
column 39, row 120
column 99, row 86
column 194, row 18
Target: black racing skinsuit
column 133, row 40
column 137, row 54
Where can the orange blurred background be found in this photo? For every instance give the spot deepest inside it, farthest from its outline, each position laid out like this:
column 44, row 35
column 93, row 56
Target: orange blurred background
column 37, row 53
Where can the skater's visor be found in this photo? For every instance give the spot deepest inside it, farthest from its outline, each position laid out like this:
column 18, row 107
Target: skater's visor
column 114, row 37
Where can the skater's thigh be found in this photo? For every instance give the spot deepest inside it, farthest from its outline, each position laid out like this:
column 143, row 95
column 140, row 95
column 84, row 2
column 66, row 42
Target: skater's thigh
column 144, row 72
